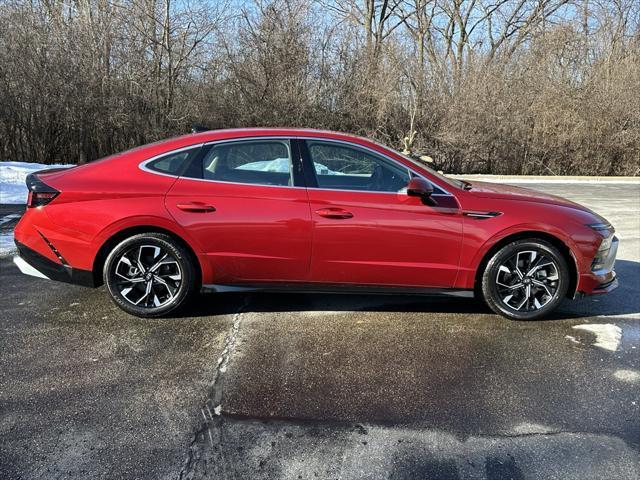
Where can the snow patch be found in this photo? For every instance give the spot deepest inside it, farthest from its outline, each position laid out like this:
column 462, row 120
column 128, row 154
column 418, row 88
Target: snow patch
column 6, row 244
column 629, row 376
column 322, row 313
column 8, row 218
column 532, row 429
column 608, row 336
column 571, row 338
column 633, row 316
column 12, row 180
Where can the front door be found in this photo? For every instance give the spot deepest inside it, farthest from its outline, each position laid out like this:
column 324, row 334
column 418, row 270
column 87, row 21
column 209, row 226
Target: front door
column 367, row 231
column 248, row 210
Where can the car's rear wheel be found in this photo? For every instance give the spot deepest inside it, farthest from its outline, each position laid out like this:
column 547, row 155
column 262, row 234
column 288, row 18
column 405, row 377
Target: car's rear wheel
column 149, row 275
column 526, row 279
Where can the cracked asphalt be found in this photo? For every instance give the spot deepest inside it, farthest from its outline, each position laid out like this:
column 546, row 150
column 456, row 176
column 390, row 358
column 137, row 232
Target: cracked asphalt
column 324, row 386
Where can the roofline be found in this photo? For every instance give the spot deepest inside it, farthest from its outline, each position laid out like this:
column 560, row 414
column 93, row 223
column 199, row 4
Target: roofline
column 273, row 131
column 237, row 133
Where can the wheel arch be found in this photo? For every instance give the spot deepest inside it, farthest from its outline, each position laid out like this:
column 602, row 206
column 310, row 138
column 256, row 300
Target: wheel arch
column 534, row 234
column 119, row 236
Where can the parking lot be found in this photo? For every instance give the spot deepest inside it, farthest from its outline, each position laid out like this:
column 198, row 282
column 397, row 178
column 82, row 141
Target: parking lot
column 324, row 386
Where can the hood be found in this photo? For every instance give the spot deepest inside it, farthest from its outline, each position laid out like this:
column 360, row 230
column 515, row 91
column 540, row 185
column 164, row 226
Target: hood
column 509, row 192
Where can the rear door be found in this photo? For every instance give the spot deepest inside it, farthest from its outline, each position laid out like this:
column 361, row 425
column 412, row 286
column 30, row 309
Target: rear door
column 245, row 203
column 367, row 230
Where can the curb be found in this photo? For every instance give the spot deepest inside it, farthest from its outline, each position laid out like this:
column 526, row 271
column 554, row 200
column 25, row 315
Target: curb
column 548, row 179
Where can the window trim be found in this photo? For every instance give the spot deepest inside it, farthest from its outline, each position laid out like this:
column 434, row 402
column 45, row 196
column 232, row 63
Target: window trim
column 308, row 162
column 311, row 165
column 143, row 165
column 291, row 150
column 298, row 146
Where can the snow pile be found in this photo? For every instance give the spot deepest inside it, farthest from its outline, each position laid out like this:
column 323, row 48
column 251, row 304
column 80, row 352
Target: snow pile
column 12, row 178
column 608, row 336
column 6, row 244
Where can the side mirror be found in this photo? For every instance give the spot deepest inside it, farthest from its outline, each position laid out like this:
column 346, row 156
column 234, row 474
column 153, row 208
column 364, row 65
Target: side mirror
column 419, row 187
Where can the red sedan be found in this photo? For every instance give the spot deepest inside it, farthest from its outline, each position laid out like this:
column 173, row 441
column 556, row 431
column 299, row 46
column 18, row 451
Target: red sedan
column 294, row 209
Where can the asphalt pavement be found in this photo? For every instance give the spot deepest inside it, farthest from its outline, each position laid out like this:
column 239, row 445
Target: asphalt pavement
column 324, row 386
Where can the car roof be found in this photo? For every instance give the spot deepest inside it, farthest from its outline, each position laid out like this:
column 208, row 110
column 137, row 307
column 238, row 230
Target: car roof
column 275, row 131
column 231, row 133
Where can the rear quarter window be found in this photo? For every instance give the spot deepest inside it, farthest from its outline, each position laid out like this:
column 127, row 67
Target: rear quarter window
column 173, row 163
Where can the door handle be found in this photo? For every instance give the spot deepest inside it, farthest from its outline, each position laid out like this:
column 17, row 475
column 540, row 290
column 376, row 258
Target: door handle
column 198, row 207
column 333, row 212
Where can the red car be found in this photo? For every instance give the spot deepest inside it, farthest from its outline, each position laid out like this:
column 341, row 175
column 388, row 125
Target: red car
column 294, row 209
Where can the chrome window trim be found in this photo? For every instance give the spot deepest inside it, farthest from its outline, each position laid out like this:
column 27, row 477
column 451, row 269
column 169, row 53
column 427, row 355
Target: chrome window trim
column 242, row 183
column 143, row 164
column 286, row 140
column 374, row 152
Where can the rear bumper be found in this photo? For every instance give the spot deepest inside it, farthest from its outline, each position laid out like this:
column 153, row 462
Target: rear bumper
column 33, row 263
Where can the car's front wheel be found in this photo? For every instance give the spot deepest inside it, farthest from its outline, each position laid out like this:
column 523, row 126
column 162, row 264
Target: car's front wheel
column 149, row 275
column 526, row 279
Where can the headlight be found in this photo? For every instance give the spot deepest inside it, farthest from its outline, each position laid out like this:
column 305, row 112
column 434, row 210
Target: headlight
column 606, row 254
column 606, row 244
column 602, row 255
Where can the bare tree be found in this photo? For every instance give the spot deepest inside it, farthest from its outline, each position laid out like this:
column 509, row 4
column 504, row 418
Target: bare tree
column 501, row 86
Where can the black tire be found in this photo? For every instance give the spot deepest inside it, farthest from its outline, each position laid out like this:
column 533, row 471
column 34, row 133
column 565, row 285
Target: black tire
column 129, row 274
column 513, row 279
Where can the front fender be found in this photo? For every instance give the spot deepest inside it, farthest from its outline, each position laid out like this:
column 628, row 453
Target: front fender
column 476, row 252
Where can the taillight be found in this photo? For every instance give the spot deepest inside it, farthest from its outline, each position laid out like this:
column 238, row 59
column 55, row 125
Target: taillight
column 38, row 199
column 39, row 192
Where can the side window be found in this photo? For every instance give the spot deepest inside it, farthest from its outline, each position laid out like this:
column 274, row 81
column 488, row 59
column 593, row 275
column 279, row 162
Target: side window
column 345, row 168
column 260, row 162
column 173, row 163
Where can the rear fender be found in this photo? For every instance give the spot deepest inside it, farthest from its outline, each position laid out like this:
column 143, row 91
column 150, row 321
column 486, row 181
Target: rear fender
column 154, row 223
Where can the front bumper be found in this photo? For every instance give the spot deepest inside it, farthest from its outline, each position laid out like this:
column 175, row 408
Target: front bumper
column 33, row 263
column 607, row 286
column 604, row 279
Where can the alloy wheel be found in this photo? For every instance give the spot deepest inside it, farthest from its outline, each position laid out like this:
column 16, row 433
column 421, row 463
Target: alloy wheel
column 148, row 276
column 527, row 280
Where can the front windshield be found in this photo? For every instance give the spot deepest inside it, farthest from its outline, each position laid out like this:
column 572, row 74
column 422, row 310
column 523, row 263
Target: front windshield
column 425, row 166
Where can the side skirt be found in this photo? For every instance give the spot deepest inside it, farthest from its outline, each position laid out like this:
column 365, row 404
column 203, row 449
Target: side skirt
column 336, row 288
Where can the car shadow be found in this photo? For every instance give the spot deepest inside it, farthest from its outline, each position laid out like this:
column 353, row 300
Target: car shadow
column 226, row 303
column 622, row 301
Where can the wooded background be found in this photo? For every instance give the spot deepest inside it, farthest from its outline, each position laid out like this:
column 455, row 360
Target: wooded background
column 492, row 86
